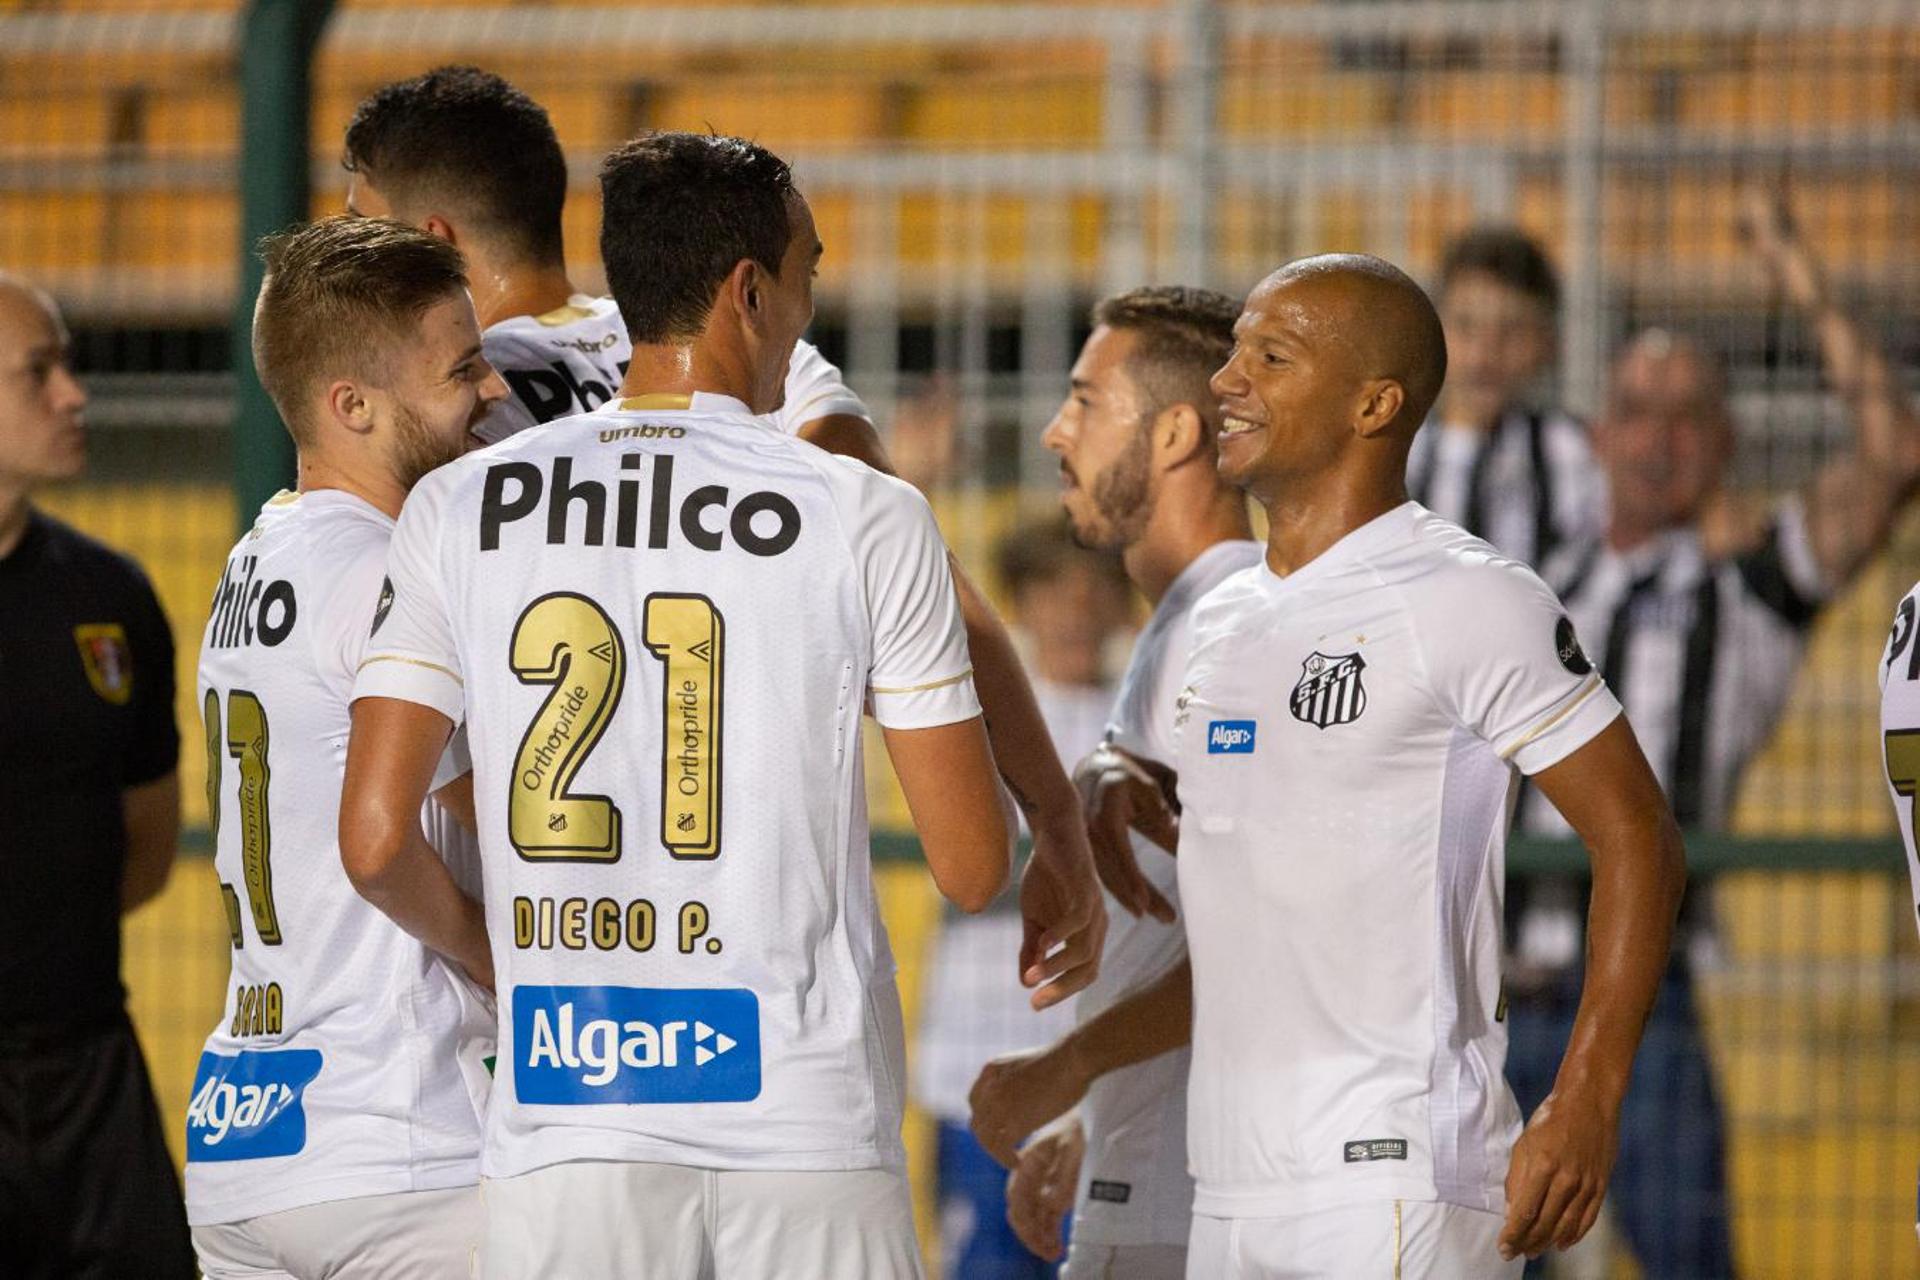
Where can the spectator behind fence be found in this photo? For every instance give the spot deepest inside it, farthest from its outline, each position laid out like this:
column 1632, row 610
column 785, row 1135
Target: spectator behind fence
column 1068, row 607
column 1701, row 646
column 1495, row 457
column 89, row 819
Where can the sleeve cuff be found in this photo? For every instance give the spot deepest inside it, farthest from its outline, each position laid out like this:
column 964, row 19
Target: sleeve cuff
column 925, row 705
column 385, row 675
column 1564, row 730
column 834, row 405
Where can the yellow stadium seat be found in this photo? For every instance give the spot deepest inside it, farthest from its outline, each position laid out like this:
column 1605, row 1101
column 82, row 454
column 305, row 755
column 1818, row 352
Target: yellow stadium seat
column 192, row 122
column 1007, row 112
column 1486, row 104
column 776, row 113
column 1289, row 102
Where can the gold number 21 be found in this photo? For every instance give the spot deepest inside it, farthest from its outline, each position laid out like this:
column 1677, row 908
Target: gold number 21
column 568, row 641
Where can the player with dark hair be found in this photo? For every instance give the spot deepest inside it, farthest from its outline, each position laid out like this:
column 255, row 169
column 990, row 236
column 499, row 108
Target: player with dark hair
column 332, row 1129
column 660, row 622
column 1497, row 459
column 1136, row 438
column 89, row 822
column 563, row 353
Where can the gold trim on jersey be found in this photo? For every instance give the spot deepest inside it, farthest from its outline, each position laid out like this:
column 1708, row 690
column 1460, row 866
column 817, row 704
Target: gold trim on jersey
column 563, row 315
column 1593, row 685
column 932, row 684
column 412, row 662
column 1396, row 1240
column 286, row 497
column 656, row 401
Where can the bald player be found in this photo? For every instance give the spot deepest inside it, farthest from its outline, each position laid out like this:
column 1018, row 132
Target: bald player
column 1358, row 711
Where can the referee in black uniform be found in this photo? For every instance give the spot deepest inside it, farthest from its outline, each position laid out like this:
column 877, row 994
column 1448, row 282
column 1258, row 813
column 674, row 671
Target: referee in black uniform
column 89, row 818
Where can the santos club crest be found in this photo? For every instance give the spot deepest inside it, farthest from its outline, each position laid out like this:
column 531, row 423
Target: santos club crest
column 1330, row 691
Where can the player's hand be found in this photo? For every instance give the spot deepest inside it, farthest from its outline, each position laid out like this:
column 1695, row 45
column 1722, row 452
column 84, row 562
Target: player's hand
column 1064, row 919
column 1017, row 1093
column 1558, row 1175
column 1123, row 793
column 1041, row 1188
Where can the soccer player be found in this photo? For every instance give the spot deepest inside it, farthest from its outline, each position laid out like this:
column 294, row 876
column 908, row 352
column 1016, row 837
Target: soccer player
column 331, row 1130
column 89, row 820
column 1495, row 459
column 1356, row 714
column 466, row 156
column 1136, row 440
column 659, row 623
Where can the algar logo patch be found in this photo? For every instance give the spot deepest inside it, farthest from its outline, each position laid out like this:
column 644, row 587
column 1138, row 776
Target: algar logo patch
column 1231, row 737
column 250, row 1106
column 576, row 1046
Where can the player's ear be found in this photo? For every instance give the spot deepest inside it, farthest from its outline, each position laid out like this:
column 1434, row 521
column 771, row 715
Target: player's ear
column 1380, row 405
column 1179, row 435
column 746, row 287
column 440, row 229
column 348, row 407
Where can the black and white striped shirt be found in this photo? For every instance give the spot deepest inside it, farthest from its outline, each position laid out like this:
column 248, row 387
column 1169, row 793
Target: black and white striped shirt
column 1702, row 654
column 1529, row 486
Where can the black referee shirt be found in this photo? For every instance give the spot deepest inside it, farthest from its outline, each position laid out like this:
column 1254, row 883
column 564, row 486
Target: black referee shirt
column 86, row 711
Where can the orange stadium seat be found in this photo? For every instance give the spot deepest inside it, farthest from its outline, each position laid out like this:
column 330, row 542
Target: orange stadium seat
column 1003, row 111
column 1486, row 104
column 1291, row 102
column 776, row 112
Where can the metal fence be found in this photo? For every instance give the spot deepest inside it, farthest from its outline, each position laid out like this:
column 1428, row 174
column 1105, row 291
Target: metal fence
column 981, row 173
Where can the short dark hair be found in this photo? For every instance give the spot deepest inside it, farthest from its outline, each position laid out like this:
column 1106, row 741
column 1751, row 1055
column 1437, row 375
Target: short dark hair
column 1040, row 549
column 1184, row 336
column 338, row 293
column 466, row 136
column 1510, row 256
column 678, row 212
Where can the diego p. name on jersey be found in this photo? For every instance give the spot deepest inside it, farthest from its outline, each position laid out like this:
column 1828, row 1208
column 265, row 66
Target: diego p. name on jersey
column 573, row 360
column 660, row 626
column 334, row 1071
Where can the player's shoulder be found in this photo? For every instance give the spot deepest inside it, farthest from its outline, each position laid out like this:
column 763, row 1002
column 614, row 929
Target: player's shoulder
column 1452, row 578
column 1229, row 598
column 77, row 553
column 588, row 324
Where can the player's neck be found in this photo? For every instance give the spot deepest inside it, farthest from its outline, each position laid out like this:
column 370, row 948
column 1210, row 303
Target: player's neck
column 502, row 292
column 1184, row 527
column 682, row 369
column 14, row 513
column 375, row 486
column 1303, row 525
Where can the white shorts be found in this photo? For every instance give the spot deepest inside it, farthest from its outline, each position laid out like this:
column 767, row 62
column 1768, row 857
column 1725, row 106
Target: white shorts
column 589, row 1219
column 1124, row 1262
column 429, row 1234
column 1374, row 1240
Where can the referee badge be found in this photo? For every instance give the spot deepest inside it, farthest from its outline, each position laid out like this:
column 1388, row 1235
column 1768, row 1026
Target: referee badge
column 108, row 659
column 1330, row 692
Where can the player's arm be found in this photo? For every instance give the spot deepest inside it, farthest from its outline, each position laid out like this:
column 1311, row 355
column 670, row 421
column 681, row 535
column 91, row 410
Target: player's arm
column 1608, row 794
column 392, row 755
column 457, row 799
column 946, row 774
column 1059, row 899
column 1018, row 1093
column 1853, row 500
column 1041, row 1188
column 150, row 813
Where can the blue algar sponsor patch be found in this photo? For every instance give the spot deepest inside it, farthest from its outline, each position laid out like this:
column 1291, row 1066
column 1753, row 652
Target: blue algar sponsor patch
column 1230, row 737
column 251, row 1105
column 586, row 1045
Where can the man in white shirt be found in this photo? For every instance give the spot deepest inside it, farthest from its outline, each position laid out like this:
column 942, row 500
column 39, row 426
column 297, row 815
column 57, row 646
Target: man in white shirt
column 330, row 1130
column 1357, row 712
column 1136, row 439
column 700, row 1068
column 465, row 156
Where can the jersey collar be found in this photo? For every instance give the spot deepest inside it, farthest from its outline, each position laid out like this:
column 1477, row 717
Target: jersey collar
column 675, row 402
column 1383, row 530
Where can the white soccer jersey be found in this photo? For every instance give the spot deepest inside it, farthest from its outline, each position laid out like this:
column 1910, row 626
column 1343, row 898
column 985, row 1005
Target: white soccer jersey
column 1529, row 486
column 1349, row 741
column 333, row 1071
column 1900, row 727
column 1134, row 1186
column 572, row 361
column 659, row 625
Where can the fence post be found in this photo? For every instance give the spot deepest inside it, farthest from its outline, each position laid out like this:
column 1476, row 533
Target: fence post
column 277, row 44
column 1583, row 330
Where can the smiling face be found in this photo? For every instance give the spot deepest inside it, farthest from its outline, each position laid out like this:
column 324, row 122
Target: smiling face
column 42, row 432
column 436, row 389
column 1665, row 437
column 1100, row 436
column 1287, row 392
